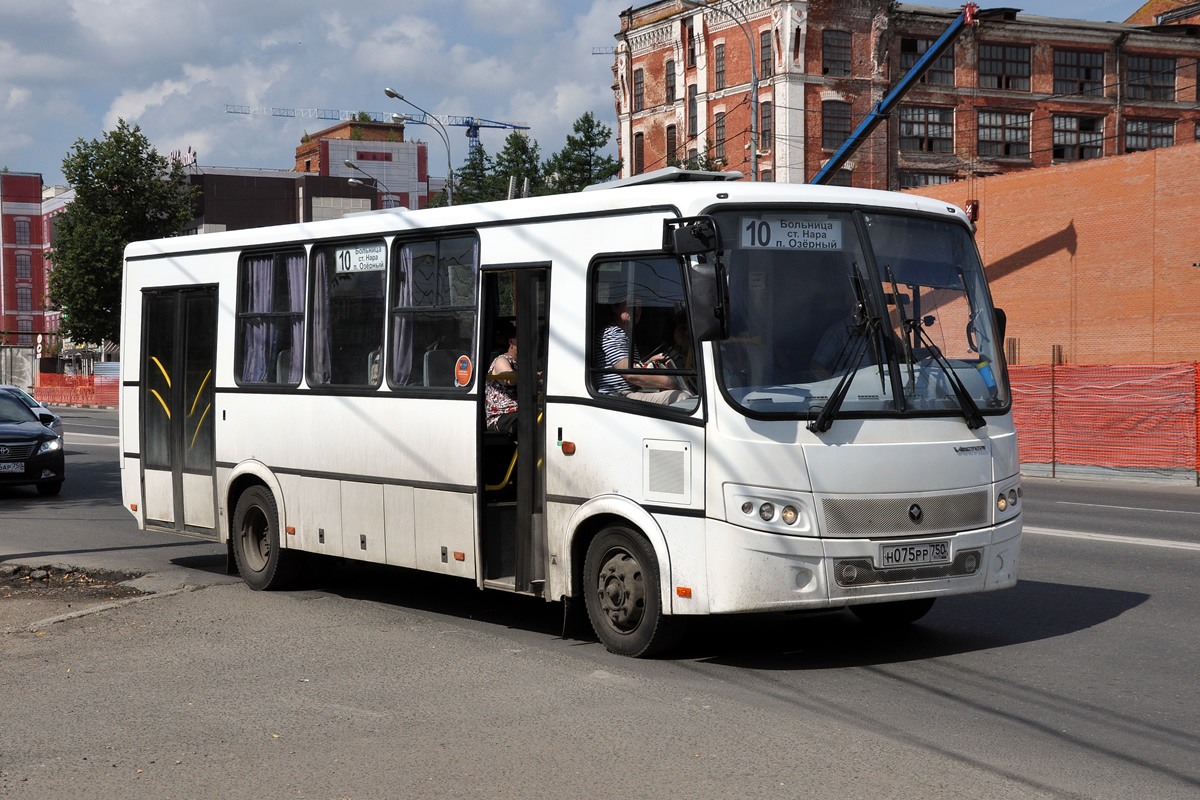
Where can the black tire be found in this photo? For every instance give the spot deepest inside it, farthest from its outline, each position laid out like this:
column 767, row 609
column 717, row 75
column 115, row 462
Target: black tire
column 622, row 595
column 263, row 564
column 895, row 613
column 49, row 489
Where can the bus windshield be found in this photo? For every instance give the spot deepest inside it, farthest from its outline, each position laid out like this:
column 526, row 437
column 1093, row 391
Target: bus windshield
column 887, row 313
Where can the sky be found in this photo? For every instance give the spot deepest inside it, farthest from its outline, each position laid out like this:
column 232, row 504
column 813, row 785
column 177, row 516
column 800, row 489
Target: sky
column 70, row 69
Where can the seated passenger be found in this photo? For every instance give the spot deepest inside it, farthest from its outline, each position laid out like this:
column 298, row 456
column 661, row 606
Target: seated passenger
column 500, row 388
column 613, row 353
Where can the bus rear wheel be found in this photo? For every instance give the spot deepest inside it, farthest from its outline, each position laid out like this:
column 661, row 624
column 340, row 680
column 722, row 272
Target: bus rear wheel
column 623, row 597
column 261, row 561
column 895, row 613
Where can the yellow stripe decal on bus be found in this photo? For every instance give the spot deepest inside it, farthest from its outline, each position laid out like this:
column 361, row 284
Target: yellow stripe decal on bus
column 199, row 392
column 160, row 402
column 198, row 425
column 160, row 369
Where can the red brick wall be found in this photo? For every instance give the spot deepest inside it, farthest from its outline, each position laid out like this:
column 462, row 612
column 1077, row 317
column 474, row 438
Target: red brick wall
column 1096, row 257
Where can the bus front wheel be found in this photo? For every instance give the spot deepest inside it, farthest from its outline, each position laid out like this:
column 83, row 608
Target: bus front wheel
column 261, row 561
column 895, row 613
column 623, row 597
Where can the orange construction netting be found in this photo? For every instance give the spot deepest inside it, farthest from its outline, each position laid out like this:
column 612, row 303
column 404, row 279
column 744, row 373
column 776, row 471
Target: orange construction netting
column 1108, row 415
column 79, row 390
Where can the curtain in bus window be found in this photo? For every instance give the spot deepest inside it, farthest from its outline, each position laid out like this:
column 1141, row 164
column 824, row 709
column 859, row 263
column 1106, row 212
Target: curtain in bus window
column 321, row 345
column 402, row 323
column 259, row 332
column 295, row 360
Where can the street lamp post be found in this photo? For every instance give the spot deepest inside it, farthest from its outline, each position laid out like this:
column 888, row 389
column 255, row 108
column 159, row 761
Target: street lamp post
column 441, row 129
column 753, row 76
column 388, row 195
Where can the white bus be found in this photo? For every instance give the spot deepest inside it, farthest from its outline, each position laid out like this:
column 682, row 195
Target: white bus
column 730, row 397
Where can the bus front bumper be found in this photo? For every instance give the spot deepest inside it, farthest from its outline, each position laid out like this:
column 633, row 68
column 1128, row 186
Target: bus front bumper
column 755, row 571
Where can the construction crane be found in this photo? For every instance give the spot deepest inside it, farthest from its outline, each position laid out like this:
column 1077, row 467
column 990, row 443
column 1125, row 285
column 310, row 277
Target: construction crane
column 472, row 124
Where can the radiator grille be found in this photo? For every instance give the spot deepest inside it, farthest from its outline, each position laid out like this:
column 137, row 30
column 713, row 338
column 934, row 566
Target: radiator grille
column 16, row 452
column 861, row 572
column 896, row 516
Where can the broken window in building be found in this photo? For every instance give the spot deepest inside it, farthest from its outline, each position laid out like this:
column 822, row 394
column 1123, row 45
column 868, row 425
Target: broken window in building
column 835, row 123
column 1078, row 138
column 1004, row 67
column 940, row 73
column 835, row 60
column 1078, row 73
column 1151, row 78
column 1004, row 134
column 926, row 130
column 1148, row 134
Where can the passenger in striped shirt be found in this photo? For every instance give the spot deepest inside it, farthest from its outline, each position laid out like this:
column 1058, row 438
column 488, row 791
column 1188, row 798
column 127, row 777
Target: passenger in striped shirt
column 614, row 351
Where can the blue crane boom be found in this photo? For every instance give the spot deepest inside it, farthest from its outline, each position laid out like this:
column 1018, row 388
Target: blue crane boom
column 884, row 107
column 472, row 124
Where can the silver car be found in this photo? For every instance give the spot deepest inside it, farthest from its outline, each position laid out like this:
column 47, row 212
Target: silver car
column 38, row 408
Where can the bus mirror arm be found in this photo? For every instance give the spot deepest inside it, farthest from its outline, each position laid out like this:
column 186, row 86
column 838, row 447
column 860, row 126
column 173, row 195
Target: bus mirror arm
column 691, row 236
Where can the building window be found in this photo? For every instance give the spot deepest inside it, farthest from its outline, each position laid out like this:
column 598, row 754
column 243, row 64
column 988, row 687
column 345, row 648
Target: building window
column 719, row 135
column 765, row 135
column 719, row 66
column 689, row 40
column 1078, row 73
column 843, row 177
column 24, row 270
column 915, row 180
column 639, row 153
column 766, row 176
column 22, row 231
column 693, row 108
column 693, row 157
column 1003, row 67
column 367, row 155
column 764, row 55
column 672, row 143
column 1147, row 134
column 926, row 130
column 835, row 123
column 1151, row 78
column 25, row 332
column 940, row 72
column 24, row 298
column 835, row 60
column 1004, row 134
column 669, row 75
column 1078, row 138
column 639, row 97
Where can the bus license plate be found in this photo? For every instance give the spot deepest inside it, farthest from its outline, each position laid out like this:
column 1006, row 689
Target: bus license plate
column 913, row 555
column 12, row 466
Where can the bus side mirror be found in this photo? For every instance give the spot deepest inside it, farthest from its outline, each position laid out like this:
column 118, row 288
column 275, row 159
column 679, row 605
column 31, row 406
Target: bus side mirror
column 1001, row 324
column 708, row 293
column 691, row 236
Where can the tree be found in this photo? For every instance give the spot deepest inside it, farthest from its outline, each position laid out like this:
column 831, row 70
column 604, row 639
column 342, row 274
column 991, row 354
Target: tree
column 702, row 161
column 476, row 181
column 580, row 163
column 520, row 159
column 124, row 192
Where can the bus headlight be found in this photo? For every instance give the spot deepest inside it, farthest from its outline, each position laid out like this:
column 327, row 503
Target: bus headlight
column 766, row 511
column 771, row 510
column 789, row 515
column 1008, row 499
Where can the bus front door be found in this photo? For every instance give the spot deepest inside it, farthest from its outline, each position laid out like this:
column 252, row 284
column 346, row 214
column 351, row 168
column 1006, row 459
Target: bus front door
column 512, row 478
column 179, row 343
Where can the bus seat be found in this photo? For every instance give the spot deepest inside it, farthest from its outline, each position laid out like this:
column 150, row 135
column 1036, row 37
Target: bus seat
column 283, row 366
column 439, row 368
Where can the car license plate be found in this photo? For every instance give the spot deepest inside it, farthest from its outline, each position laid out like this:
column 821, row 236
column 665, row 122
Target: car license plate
column 913, row 555
column 12, row 466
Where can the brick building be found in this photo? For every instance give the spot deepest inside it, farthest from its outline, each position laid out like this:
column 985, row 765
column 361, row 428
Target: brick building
column 1016, row 91
column 1096, row 262
column 378, row 149
column 22, row 269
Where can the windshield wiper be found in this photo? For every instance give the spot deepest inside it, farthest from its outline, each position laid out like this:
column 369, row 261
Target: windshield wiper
column 906, row 331
column 967, row 403
column 865, row 332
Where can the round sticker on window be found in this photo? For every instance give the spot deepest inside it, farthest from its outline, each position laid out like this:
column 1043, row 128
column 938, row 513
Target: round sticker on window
column 462, row 371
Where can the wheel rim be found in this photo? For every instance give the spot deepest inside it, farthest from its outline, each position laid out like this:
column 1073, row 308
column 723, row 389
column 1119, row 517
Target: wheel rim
column 621, row 591
column 256, row 539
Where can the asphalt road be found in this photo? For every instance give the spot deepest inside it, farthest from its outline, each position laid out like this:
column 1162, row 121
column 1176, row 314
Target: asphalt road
column 1083, row 681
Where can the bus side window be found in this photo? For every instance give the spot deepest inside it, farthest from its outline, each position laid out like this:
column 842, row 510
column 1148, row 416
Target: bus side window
column 347, row 312
column 432, row 305
column 270, row 331
column 642, row 347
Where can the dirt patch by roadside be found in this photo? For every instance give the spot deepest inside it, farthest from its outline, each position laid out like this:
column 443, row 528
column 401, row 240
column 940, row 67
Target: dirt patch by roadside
column 30, row 594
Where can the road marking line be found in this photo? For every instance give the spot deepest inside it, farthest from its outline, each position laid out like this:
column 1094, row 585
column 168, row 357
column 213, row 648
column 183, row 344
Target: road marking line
column 1128, row 508
column 94, row 435
column 1104, row 537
